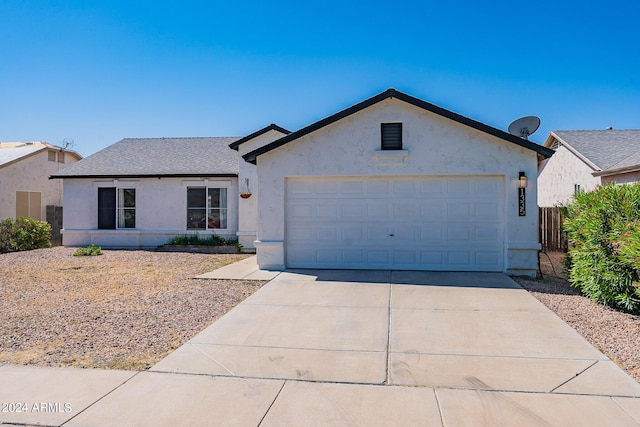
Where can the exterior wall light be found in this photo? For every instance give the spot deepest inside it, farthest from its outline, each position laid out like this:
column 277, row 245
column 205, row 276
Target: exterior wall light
column 522, row 180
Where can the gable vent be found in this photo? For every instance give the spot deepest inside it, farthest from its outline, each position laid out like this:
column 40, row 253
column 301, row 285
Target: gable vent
column 391, row 136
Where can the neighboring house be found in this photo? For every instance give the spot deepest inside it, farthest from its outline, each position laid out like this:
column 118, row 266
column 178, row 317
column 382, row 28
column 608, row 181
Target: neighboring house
column 391, row 183
column 585, row 159
column 25, row 188
column 395, row 182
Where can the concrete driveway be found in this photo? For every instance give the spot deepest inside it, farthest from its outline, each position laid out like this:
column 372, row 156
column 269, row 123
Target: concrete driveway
column 370, row 348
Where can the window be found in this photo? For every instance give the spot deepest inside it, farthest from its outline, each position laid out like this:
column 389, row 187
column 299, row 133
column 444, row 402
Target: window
column 53, row 155
column 29, row 204
column 116, row 208
column 206, row 208
column 391, row 136
column 576, row 188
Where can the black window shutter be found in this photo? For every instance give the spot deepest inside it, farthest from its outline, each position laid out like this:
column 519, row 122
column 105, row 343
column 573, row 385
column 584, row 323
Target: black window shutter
column 107, row 208
column 391, row 136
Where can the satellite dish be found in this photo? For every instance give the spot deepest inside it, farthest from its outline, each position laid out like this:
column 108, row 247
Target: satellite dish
column 524, row 126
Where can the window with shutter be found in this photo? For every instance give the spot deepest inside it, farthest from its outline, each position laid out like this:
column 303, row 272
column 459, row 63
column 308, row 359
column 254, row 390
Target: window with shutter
column 391, row 136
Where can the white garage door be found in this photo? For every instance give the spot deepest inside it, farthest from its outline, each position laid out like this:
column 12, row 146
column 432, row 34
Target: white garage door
column 404, row 223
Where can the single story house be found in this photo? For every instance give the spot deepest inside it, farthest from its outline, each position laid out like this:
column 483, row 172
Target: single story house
column 392, row 182
column 584, row 159
column 25, row 188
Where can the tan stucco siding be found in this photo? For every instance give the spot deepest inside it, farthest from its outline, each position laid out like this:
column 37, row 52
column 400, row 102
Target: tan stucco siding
column 31, row 174
column 559, row 175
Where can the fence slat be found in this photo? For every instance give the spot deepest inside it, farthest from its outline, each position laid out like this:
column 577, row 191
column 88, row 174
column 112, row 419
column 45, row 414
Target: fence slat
column 552, row 238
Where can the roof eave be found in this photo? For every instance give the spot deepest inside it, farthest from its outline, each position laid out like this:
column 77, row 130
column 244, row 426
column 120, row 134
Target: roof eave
column 155, row 175
column 610, row 172
column 234, row 145
column 392, row 93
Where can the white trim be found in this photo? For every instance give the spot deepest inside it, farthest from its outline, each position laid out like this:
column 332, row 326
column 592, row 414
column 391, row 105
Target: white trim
column 208, row 183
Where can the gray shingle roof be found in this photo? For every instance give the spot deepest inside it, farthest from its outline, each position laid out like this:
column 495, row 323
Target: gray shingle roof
column 135, row 157
column 607, row 149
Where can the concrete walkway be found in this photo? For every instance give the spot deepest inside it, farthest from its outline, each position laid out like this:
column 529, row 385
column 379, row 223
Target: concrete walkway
column 353, row 348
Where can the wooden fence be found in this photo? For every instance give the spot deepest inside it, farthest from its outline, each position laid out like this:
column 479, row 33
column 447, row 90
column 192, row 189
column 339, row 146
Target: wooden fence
column 551, row 236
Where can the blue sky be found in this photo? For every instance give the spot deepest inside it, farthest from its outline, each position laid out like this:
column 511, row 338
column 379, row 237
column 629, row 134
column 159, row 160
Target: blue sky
column 97, row 72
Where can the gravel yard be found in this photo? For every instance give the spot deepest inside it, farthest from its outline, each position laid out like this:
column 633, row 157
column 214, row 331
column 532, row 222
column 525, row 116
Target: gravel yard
column 129, row 309
column 614, row 333
column 120, row 310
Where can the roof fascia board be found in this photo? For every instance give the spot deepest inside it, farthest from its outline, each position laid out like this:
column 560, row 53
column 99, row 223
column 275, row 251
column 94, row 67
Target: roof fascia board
column 234, row 145
column 392, row 93
column 609, row 172
column 177, row 175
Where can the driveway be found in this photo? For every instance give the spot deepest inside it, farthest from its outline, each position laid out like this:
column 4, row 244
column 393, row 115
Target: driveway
column 376, row 348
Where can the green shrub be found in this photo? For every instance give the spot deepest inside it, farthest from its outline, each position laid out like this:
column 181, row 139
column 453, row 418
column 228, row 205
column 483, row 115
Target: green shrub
column 603, row 228
column 90, row 250
column 24, row 234
column 195, row 239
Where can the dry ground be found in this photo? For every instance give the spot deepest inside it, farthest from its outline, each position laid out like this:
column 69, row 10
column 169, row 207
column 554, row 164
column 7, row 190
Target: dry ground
column 129, row 309
column 120, row 310
column 614, row 333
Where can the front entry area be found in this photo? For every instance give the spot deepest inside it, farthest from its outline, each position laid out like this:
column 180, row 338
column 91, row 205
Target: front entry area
column 453, row 223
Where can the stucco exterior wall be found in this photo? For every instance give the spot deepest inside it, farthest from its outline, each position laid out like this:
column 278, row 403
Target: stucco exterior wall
column 558, row 176
column 31, row 174
column 248, row 207
column 432, row 146
column 161, row 211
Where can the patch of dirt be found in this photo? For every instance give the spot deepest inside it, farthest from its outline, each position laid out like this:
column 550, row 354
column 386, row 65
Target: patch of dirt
column 120, row 310
column 614, row 333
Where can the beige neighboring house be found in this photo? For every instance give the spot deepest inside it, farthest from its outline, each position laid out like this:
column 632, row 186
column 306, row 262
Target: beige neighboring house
column 585, row 159
column 25, row 187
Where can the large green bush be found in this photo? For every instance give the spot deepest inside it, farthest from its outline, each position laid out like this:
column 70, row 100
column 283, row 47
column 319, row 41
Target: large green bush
column 603, row 228
column 24, row 234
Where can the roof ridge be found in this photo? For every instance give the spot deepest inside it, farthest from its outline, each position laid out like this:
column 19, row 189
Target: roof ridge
column 179, row 137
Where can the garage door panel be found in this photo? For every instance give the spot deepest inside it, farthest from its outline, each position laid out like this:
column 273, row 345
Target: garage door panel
column 432, row 234
column 406, row 210
column 300, row 210
column 378, row 210
column 327, row 212
column 458, row 187
column 327, row 234
column 301, row 234
column 377, row 186
column 431, row 188
column 487, row 186
column 418, row 223
column 378, row 233
column 487, row 211
column 379, row 258
column 351, row 211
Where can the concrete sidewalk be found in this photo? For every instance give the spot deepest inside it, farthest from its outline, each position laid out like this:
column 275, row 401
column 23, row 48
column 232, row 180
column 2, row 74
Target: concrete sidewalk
column 354, row 348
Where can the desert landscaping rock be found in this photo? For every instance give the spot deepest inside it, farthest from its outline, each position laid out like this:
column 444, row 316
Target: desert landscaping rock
column 122, row 310
column 129, row 309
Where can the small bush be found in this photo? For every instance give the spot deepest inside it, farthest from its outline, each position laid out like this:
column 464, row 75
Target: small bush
column 24, row 234
column 603, row 228
column 195, row 239
column 90, row 250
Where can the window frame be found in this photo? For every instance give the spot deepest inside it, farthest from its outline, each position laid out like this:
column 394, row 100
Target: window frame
column 206, row 210
column 113, row 208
